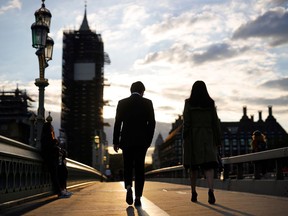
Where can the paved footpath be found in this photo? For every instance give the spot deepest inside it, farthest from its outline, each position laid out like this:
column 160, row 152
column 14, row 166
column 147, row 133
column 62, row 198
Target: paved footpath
column 160, row 199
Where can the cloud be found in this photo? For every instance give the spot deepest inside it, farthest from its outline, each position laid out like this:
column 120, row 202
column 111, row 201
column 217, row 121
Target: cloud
column 133, row 16
column 171, row 23
column 184, row 54
column 271, row 92
column 10, row 5
column 216, row 52
column 183, row 27
column 281, row 84
column 165, row 108
column 272, row 25
column 277, row 101
column 172, row 55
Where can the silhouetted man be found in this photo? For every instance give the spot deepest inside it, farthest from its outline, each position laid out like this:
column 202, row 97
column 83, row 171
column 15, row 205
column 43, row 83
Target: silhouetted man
column 133, row 133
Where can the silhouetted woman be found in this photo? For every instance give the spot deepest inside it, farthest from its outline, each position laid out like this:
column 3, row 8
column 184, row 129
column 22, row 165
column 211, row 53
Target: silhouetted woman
column 258, row 144
column 201, row 135
column 50, row 154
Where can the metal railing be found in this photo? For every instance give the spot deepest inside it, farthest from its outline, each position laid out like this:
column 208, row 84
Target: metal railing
column 236, row 166
column 23, row 175
column 240, row 173
column 271, row 161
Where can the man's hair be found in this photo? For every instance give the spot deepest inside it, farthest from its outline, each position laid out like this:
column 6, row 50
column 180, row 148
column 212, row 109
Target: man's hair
column 137, row 87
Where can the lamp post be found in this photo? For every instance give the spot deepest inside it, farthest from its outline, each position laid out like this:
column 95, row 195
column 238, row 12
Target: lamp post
column 95, row 150
column 44, row 45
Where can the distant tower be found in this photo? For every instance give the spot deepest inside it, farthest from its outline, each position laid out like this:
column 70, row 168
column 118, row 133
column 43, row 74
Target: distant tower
column 155, row 155
column 82, row 92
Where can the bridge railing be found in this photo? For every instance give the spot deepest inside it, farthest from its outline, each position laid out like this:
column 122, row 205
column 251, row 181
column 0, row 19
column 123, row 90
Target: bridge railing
column 239, row 173
column 23, row 175
column 239, row 167
column 255, row 164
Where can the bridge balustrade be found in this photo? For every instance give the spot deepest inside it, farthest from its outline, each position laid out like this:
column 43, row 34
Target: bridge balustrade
column 274, row 162
column 239, row 173
column 23, row 175
column 239, row 166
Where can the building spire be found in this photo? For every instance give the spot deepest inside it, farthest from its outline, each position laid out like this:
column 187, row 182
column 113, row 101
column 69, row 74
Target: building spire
column 84, row 26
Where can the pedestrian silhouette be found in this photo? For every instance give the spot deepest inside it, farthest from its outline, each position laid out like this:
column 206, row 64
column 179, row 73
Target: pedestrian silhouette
column 258, row 144
column 201, row 134
column 133, row 133
column 51, row 154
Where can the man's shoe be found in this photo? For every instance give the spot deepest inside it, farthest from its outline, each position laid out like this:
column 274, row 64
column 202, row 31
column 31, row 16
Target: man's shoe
column 129, row 196
column 137, row 202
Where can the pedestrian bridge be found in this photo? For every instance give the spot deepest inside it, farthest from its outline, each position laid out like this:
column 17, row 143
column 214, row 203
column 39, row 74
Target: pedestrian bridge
column 159, row 199
column 26, row 190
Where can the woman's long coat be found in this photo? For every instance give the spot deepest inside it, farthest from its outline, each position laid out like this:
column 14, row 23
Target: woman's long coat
column 201, row 135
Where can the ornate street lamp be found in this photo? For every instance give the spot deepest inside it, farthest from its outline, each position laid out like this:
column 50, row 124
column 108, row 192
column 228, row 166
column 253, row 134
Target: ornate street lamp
column 49, row 48
column 44, row 45
column 44, row 15
column 39, row 34
column 41, row 27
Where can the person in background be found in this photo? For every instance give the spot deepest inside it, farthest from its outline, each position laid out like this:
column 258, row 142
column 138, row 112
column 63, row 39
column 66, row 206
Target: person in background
column 62, row 170
column 201, row 134
column 50, row 154
column 258, row 144
column 133, row 133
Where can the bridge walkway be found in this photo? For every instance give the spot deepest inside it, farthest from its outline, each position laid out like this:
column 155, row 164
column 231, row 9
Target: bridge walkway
column 159, row 199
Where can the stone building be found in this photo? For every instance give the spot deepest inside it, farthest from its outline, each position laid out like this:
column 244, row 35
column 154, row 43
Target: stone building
column 14, row 115
column 155, row 155
column 236, row 137
column 170, row 151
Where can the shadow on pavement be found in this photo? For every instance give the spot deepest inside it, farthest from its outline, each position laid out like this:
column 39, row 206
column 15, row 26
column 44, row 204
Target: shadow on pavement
column 26, row 207
column 140, row 211
column 226, row 211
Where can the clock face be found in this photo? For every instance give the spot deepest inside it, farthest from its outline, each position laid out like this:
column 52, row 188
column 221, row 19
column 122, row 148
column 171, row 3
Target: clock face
column 84, row 71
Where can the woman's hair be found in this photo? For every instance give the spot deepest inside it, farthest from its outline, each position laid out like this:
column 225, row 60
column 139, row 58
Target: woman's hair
column 199, row 96
column 257, row 135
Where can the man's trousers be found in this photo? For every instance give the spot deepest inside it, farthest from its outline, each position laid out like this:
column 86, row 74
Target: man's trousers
column 134, row 157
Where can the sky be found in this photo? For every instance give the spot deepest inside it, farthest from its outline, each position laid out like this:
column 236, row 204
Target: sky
column 238, row 48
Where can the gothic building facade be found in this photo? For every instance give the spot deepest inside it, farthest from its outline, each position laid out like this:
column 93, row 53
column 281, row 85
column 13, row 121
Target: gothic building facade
column 14, row 115
column 82, row 94
column 236, row 138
